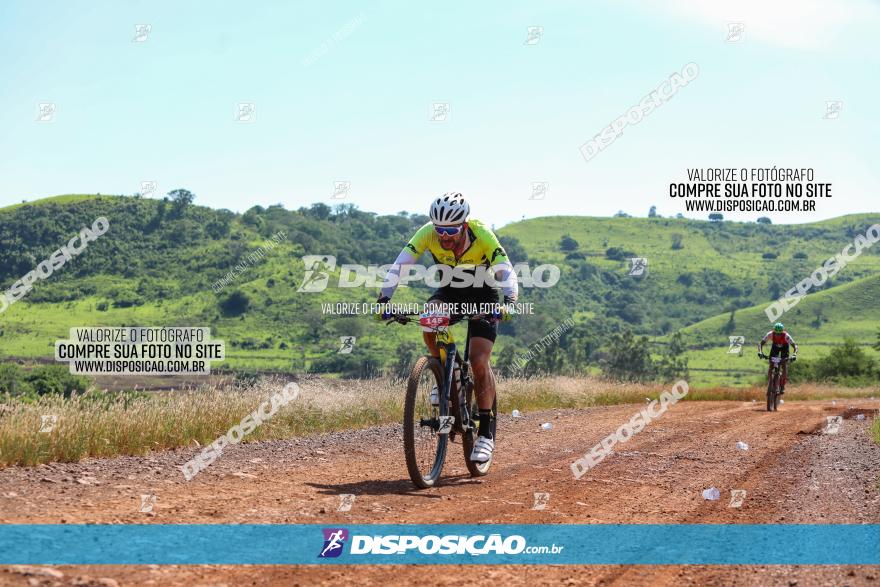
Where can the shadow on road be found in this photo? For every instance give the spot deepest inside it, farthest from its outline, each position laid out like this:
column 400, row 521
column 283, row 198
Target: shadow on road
column 391, row 486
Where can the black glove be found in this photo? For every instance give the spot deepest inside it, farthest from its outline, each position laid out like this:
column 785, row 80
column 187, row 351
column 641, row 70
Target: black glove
column 793, row 358
column 761, row 355
column 383, row 315
column 505, row 311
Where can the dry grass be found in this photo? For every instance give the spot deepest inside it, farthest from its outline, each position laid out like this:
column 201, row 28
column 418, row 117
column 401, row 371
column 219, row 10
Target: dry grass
column 134, row 426
column 801, row 391
column 159, row 421
column 570, row 392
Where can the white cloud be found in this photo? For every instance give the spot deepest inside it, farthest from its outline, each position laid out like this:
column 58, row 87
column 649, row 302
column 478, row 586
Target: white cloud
column 802, row 24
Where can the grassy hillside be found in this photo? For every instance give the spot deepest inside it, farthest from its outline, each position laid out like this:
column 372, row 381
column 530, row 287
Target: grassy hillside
column 718, row 267
column 156, row 267
column 817, row 322
column 63, row 199
column 157, row 263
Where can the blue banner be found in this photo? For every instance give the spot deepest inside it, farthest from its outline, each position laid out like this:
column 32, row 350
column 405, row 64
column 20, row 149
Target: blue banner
column 276, row 544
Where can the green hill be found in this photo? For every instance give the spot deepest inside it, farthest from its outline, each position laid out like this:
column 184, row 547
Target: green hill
column 156, row 266
column 63, row 199
column 158, row 261
column 818, row 322
column 717, row 267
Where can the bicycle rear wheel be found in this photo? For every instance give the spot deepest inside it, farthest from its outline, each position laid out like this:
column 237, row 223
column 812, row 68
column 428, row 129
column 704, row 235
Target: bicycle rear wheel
column 424, row 447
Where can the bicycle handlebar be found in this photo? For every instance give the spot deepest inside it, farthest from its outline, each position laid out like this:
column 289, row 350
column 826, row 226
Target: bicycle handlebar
column 406, row 317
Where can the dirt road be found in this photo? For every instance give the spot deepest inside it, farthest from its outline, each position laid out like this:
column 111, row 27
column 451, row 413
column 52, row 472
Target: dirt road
column 792, row 473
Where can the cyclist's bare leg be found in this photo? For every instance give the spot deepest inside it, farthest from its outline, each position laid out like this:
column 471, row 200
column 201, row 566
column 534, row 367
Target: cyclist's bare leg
column 430, row 339
column 484, row 379
column 784, row 373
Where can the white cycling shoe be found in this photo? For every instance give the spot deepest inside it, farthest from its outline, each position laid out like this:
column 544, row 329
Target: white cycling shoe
column 483, row 448
column 435, row 396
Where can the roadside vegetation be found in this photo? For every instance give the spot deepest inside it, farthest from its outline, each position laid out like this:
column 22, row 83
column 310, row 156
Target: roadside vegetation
column 49, row 427
column 161, row 258
column 27, row 386
column 847, row 364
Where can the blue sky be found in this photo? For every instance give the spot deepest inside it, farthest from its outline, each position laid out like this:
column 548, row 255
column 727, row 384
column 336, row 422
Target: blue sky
column 343, row 92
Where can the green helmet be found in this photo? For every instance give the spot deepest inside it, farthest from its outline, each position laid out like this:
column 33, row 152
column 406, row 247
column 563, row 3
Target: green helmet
column 778, row 327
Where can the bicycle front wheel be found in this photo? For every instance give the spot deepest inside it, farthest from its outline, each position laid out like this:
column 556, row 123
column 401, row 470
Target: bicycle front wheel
column 470, row 436
column 776, row 389
column 424, row 446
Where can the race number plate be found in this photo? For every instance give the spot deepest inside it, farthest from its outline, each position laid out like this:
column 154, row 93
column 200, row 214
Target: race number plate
column 432, row 321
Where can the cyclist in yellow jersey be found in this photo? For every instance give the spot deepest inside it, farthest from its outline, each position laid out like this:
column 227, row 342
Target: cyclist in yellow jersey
column 457, row 241
column 484, row 247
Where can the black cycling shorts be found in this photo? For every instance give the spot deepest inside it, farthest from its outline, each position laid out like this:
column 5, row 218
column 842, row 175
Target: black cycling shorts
column 482, row 328
column 779, row 350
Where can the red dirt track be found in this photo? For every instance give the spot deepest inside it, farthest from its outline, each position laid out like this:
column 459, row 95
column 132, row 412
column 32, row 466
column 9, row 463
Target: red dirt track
column 792, row 474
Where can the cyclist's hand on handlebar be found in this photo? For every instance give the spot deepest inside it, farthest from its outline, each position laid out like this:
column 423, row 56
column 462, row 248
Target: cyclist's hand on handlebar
column 383, row 315
column 761, row 355
column 505, row 312
column 793, row 358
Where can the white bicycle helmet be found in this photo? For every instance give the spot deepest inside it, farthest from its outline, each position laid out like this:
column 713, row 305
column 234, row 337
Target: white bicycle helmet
column 450, row 209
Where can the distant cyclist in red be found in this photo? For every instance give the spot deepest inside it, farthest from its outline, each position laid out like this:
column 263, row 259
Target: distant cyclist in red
column 781, row 340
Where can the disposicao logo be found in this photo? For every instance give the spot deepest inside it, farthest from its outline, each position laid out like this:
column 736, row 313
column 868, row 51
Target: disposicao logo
column 432, row 544
column 334, row 540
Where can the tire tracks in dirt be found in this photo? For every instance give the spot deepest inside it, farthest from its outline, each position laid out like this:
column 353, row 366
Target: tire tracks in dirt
column 656, row 477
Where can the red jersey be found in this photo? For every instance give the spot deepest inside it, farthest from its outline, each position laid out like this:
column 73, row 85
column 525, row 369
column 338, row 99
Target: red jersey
column 779, row 339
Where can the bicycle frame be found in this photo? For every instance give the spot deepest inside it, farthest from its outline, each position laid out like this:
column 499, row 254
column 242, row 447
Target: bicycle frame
column 776, row 366
column 773, row 375
column 448, row 355
column 443, row 420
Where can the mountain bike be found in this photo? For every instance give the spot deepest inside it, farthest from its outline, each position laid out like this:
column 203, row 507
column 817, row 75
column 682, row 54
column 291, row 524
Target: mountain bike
column 774, row 382
column 428, row 428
